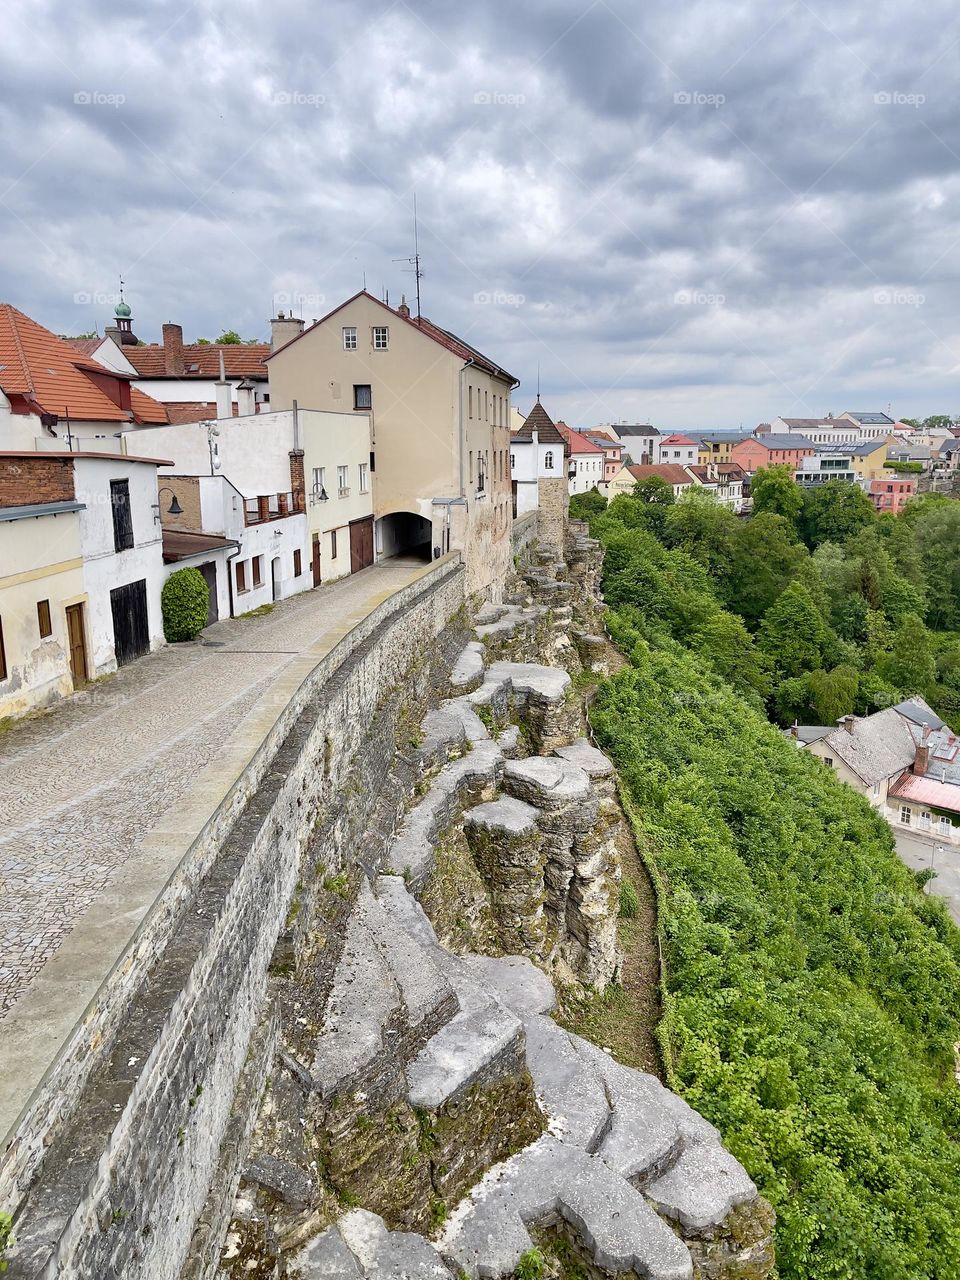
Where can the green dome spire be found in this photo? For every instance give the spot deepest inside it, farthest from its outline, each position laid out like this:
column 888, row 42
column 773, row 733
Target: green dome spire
column 121, row 309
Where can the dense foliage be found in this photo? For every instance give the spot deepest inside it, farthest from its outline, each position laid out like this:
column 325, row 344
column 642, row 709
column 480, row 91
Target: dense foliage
column 845, row 611
column 812, row 993
column 184, row 601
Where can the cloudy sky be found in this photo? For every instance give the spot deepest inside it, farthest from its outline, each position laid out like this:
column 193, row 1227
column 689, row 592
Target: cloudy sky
column 698, row 214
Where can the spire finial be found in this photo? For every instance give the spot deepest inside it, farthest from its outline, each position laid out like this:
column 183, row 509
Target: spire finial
column 538, row 382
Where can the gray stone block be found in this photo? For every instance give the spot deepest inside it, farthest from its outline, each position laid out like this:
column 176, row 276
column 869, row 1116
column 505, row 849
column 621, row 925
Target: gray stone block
column 506, row 816
column 702, row 1187
column 570, row 1091
column 585, row 756
column 441, row 731
column 389, row 1255
column 546, row 782
column 515, row 981
column 468, row 668
column 326, row 1257
column 547, row 684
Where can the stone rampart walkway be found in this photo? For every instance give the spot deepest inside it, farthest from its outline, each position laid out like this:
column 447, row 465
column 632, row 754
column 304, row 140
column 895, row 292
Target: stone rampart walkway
column 79, row 787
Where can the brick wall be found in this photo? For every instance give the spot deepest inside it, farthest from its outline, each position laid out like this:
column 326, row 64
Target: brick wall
column 35, row 478
column 297, row 484
column 187, row 489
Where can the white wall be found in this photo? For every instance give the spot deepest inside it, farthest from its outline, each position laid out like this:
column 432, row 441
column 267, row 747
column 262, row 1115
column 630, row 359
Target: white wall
column 684, row 455
column 589, row 473
column 103, row 567
column 330, row 440
column 272, row 539
column 253, row 451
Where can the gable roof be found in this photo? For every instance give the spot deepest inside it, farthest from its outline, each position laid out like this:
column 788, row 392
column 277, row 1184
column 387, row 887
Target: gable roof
column 678, row 438
column 772, row 441
column 723, row 473
column 540, row 421
column 869, row 419
column 805, row 424
column 50, row 376
column 457, row 346
column 202, row 360
column 605, row 437
column 634, row 429
column 918, row 712
column 86, row 346
column 671, row 472
column 577, row 443
column 879, row 746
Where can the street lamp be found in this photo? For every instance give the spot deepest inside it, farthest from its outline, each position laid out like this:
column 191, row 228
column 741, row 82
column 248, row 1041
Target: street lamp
column 174, row 509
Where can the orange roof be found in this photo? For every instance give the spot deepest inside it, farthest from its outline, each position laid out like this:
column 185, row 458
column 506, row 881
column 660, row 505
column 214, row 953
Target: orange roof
column 202, row 360
column 86, row 346
column 48, row 375
column 576, row 442
column 671, row 472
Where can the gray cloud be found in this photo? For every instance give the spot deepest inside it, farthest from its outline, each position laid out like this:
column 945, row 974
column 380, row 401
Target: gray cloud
column 704, row 214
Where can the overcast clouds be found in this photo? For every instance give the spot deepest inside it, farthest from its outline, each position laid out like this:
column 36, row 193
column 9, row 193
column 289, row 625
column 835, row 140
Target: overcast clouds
column 698, row 214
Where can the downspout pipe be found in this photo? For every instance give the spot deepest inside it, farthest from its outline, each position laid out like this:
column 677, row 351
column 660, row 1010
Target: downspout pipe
column 463, row 491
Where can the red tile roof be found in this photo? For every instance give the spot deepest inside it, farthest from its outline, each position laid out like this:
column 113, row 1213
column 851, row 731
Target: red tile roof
column 671, row 472
column 195, row 410
column 202, row 360
column 576, row 442
column 47, row 375
column 677, row 438
column 86, row 346
column 430, row 330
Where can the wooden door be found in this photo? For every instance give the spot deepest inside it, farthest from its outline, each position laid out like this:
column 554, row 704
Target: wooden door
column 361, row 543
column 316, row 559
column 209, row 571
column 131, row 632
column 77, row 640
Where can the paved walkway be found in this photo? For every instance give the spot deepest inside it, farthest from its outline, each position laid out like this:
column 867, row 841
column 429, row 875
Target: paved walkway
column 920, row 853
column 80, row 786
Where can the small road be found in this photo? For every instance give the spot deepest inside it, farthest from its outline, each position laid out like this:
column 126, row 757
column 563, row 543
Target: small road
column 81, row 785
column 921, row 852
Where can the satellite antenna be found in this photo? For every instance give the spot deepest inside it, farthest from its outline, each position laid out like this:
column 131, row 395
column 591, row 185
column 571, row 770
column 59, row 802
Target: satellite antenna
column 415, row 260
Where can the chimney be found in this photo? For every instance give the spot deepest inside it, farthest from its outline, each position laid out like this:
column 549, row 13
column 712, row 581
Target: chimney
column 403, row 309
column 173, row 350
column 284, row 329
column 246, row 398
column 793, row 730
column 848, row 723
column 921, row 761
column 224, row 393
column 925, row 734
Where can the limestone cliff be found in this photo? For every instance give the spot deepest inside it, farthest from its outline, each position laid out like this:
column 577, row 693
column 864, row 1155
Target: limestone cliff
column 425, row 1114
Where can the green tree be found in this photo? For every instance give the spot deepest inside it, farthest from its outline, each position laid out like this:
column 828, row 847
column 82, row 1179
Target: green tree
column 833, row 693
column 229, row 338
column 730, row 649
column 910, row 664
column 774, row 490
column 703, row 528
column 583, row 506
column 654, row 490
column 766, row 556
column 834, row 512
column 793, row 634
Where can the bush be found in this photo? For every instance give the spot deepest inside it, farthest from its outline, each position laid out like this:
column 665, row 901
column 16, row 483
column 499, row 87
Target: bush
column 184, row 602
column 629, row 902
column 6, row 1223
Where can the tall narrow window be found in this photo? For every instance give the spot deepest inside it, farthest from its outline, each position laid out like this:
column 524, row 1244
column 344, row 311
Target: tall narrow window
column 349, row 338
column 258, row 571
column 343, row 481
column 3, row 655
column 241, row 576
column 469, row 402
column 122, row 518
column 333, row 544
column 364, row 478
column 362, row 398
column 297, row 562
column 43, row 618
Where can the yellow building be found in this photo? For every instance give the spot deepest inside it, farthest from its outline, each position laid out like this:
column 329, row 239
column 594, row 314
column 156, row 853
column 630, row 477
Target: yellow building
column 440, row 417
column 868, row 458
column 43, row 627
column 715, row 446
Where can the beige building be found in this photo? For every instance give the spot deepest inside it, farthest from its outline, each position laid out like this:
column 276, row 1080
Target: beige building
column 440, row 419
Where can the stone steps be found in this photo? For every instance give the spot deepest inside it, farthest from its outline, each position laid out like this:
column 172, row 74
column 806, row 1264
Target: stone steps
column 361, row 1246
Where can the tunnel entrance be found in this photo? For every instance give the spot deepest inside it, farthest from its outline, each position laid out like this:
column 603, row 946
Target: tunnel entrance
column 404, row 534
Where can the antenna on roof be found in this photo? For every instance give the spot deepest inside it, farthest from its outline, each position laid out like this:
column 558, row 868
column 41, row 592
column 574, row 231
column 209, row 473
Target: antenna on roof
column 415, row 260
column 538, row 382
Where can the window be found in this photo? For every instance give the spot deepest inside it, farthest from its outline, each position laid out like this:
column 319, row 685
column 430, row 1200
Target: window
column 319, row 480
column 258, row 571
column 3, row 655
column 349, row 338
column 486, row 407
column 241, row 576
column 297, row 562
column 362, row 399
column 373, row 462
column 905, row 814
column 122, row 518
column 364, row 478
column 513, row 462
column 43, row 617
column 381, row 337
column 471, row 466
column 548, row 460
column 469, row 402
column 251, row 507
column 828, row 761
column 343, row 481
column 333, row 544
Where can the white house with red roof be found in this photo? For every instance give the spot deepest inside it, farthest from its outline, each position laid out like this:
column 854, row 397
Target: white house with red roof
column 587, row 461
column 54, row 397
column 677, row 450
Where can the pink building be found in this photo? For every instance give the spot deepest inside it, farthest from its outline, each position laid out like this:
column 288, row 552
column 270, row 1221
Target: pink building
column 891, row 495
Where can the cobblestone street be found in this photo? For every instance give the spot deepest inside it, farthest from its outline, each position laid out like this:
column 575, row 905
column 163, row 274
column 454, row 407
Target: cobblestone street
column 81, row 785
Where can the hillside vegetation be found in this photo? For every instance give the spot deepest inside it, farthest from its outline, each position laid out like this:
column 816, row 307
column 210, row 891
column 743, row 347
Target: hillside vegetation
column 812, row 992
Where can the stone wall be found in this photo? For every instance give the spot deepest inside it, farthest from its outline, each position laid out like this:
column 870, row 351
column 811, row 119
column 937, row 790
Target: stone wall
column 553, row 498
column 114, row 1186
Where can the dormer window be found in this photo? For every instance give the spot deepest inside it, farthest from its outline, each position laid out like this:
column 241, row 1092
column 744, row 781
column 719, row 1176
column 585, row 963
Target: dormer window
column 381, row 337
column 349, row 338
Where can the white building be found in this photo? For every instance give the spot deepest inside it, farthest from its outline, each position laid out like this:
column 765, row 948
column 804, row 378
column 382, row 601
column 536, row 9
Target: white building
column 870, row 426
column 676, row 450
column 538, row 452
column 587, row 462
column 830, row 431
